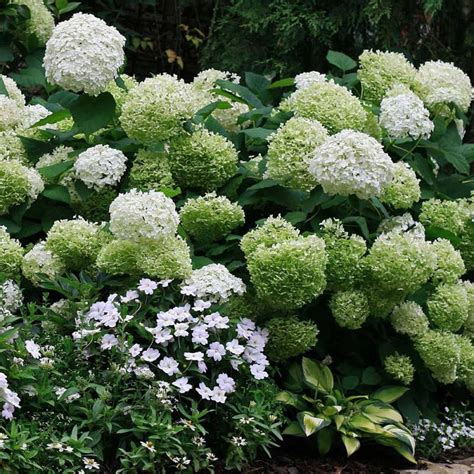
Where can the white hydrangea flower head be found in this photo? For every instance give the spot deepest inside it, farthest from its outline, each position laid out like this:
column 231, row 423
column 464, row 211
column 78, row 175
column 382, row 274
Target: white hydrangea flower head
column 84, row 54
column 213, row 283
column 351, row 162
column 140, row 215
column 439, row 83
column 40, row 260
column 100, row 166
column 206, row 79
column 11, row 147
column 41, row 21
column 405, row 116
column 305, row 79
column 36, row 183
column 11, row 297
column 11, row 114
column 33, row 114
column 401, row 225
column 13, row 90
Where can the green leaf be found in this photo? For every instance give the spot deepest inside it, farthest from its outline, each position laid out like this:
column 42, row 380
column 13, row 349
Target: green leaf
column 241, row 91
column 36, row 148
column 57, row 193
column 293, row 429
column 325, row 439
column 317, row 375
column 351, row 444
column 204, row 112
column 6, row 54
column 93, row 113
column 261, row 133
column 433, row 232
column 287, row 82
column 3, row 89
column 256, row 82
column 292, row 399
column 361, row 423
column 361, row 222
column 199, row 262
column 83, row 191
column 341, row 60
column 53, row 118
column 11, row 226
column 380, row 412
column 60, row 4
column 53, row 171
column 310, row 424
column 370, row 376
column 350, row 382
column 389, row 394
column 295, row 217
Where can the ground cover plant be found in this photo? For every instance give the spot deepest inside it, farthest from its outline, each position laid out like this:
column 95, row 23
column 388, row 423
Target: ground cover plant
column 194, row 272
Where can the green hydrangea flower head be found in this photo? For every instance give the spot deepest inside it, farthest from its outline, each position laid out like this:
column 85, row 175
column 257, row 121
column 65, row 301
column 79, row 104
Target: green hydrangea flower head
column 332, row 105
column 275, row 230
column 408, row 318
column 11, row 254
column 248, row 306
column 202, row 160
column 379, row 71
column 289, row 274
column 150, row 171
column 41, row 21
column 13, row 90
column 404, row 189
column 95, row 207
column 453, row 216
column 210, row 218
column 119, row 93
column 120, row 257
column 350, row 308
column 40, row 262
column 382, row 302
column 466, row 361
column 11, row 147
column 289, row 337
column 345, row 254
column 400, row 262
column 288, row 151
column 156, row 109
column 169, row 258
column 400, row 367
column 76, row 242
column 469, row 323
column 372, row 126
column 448, row 306
column 449, row 263
column 440, row 353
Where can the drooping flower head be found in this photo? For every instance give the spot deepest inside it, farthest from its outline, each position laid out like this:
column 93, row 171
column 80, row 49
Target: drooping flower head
column 120, row 257
column 449, row 263
column 83, row 54
column 352, row 163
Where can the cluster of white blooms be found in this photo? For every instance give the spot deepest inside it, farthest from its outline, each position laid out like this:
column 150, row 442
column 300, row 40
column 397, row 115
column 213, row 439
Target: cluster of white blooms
column 41, row 261
column 83, row 54
column 11, row 297
column 305, row 79
column 206, row 79
column 10, row 399
column 100, row 166
column 36, row 184
column 401, row 225
column 33, row 114
column 13, row 90
column 11, row 113
column 351, row 162
column 213, row 283
column 403, row 115
column 137, row 215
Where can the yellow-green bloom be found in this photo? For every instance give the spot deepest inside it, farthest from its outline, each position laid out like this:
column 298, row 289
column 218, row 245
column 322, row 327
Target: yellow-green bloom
column 400, row 367
column 120, row 257
column 350, row 308
column 41, row 21
column 150, row 171
column 449, row 263
column 11, row 254
column 41, row 262
column 408, row 318
column 404, row 189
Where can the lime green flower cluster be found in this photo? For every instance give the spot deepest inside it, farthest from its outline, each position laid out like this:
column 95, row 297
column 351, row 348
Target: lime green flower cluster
column 448, row 306
column 210, row 218
column 119, row 93
column 289, row 337
column 202, row 160
column 345, row 253
column 11, row 254
column 289, row 274
column 466, row 362
column 119, row 257
column 400, row 367
column 41, row 21
column 288, row 151
column 409, row 318
column 455, row 217
column 379, row 71
column 150, row 171
column 404, row 189
column 11, row 147
column 40, row 261
column 469, row 323
column 328, row 103
column 449, row 263
column 275, row 230
column 350, row 308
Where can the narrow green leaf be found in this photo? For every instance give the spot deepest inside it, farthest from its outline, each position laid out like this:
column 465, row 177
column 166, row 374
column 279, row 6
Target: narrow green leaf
column 53, row 171
column 389, row 394
column 287, row 82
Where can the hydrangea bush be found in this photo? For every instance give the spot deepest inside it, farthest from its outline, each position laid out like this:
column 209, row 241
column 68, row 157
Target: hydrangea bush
column 180, row 245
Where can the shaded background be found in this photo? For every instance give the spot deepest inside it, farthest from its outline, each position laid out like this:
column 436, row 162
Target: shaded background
column 284, row 37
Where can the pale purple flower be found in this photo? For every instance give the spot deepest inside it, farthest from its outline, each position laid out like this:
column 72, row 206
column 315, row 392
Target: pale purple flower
column 181, row 329
column 216, row 351
column 150, row 355
column 182, row 385
column 200, row 335
column 201, row 305
column 234, row 347
column 226, row 383
column 33, row 349
column 147, row 286
column 135, row 350
column 108, row 341
column 258, row 371
column 204, row 391
column 202, row 367
column 245, row 328
column 130, row 295
column 195, row 356
column 169, row 366
column 218, row 395
column 7, row 411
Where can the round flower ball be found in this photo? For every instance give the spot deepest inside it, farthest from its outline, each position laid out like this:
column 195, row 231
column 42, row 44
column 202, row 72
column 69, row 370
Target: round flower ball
column 11, row 114
column 41, row 21
column 168, row 259
column 404, row 116
column 275, row 230
column 289, row 274
column 100, row 166
column 330, row 104
column 119, row 257
column 349, row 308
column 202, row 160
column 351, row 163
column 449, row 263
column 150, row 171
column 440, row 353
column 289, row 337
column 379, row 71
column 306, row 79
column 448, row 306
column 13, row 90
column 11, row 254
column 140, row 215
column 404, row 189
column 83, row 54
column 400, row 367
column 156, row 109
column 39, row 262
column 408, row 318
column 439, row 83
column 210, row 218
column 18, row 184
column 289, row 149
column 400, row 262
column 76, row 242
